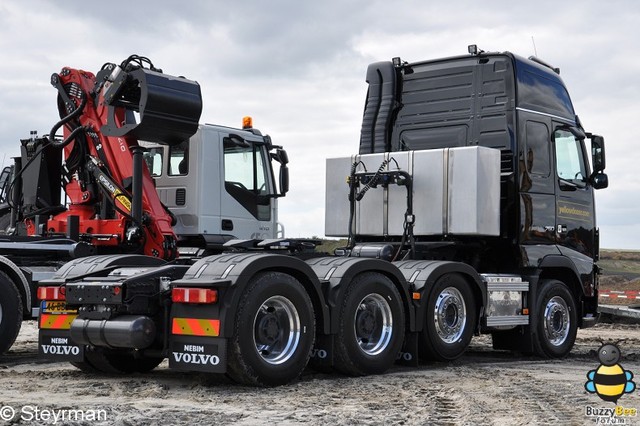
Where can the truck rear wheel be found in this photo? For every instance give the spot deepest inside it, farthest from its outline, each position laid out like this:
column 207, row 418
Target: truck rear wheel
column 371, row 327
column 450, row 319
column 274, row 331
column 10, row 312
column 557, row 320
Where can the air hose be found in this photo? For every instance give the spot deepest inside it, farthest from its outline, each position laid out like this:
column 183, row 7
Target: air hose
column 373, row 181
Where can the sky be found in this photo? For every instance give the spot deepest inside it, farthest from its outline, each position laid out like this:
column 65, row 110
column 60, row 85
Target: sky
column 298, row 68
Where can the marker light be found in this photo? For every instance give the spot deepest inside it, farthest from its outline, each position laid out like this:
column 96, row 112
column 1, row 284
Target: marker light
column 194, row 295
column 247, row 122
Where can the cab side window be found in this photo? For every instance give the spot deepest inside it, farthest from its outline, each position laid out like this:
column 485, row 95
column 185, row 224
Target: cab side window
column 153, row 157
column 245, row 176
column 179, row 159
column 537, row 149
column 570, row 164
column 244, row 167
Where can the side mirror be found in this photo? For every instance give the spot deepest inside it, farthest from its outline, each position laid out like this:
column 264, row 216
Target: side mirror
column 599, row 181
column 281, row 157
column 284, row 180
column 597, row 153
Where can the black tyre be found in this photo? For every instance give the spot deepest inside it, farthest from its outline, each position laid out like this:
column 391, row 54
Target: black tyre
column 113, row 362
column 371, row 328
column 557, row 320
column 450, row 319
column 274, row 331
column 10, row 312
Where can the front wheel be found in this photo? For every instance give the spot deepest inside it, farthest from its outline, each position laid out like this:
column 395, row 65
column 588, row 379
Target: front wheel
column 274, row 331
column 557, row 320
column 371, row 326
column 450, row 319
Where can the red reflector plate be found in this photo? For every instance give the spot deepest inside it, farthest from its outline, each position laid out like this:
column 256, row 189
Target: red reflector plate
column 196, row 327
column 56, row 321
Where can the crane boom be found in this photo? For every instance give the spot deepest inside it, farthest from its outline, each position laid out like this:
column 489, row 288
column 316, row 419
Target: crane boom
column 103, row 116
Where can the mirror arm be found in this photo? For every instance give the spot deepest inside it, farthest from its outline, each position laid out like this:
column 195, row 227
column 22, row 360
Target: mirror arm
column 567, row 185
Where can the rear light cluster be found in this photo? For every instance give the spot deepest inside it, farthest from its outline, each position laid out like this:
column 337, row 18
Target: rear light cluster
column 194, row 295
column 51, row 293
column 178, row 295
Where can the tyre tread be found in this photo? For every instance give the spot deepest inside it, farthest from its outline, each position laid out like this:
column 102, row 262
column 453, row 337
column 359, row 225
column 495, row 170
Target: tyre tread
column 541, row 348
column 432, row 348
column 12, row 313
column 239, row 365
column 349, row 360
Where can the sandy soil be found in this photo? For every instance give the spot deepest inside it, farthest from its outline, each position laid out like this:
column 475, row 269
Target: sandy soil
column 483, row 387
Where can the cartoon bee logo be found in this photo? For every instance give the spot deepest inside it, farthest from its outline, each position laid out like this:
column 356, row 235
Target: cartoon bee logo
column 610, row 381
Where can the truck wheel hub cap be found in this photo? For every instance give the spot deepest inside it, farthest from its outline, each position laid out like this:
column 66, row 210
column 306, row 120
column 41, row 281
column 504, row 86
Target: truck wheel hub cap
column 450, row 315
column 365, row 323
column 556, row 321
column 277, row 330
column 269, row 329
column 373, row 324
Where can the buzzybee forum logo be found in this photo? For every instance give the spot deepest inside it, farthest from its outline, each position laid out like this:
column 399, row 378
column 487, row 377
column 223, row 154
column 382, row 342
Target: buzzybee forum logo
column 609, row 381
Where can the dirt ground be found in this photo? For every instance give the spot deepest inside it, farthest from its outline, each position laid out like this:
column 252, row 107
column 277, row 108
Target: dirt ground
column 483, row 387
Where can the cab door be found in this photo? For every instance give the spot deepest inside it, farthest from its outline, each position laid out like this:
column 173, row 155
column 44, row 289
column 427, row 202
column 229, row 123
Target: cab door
column 247, row 196
column 537, row 182
column 575, row 215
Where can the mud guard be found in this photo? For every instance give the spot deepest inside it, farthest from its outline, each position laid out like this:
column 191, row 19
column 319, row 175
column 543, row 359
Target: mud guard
column 335, row 274
column 18, row 278
column 238, row 268
column 95, row 265
column 422, row 274
column 230, row 274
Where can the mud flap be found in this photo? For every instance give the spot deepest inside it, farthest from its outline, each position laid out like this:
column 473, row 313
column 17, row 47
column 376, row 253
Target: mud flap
column 57, row 345
column 409, row 354
column 518, row 339
column 322, row 353
column 205, row 354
